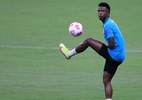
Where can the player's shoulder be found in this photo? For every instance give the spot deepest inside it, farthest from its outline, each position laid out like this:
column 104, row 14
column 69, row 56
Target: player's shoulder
column 110, row 21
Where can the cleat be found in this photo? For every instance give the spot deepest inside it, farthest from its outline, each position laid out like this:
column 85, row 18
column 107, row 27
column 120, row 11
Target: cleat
column 64, row 50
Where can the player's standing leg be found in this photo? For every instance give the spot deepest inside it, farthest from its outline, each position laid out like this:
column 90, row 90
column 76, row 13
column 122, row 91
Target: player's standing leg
column 107, row 85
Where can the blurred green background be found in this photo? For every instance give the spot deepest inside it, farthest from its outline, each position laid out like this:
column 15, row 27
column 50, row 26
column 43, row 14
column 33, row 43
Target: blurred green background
column 31, row 66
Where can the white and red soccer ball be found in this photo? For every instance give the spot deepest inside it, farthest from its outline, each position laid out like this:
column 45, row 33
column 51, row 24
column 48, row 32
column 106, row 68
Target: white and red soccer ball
column 75, row 29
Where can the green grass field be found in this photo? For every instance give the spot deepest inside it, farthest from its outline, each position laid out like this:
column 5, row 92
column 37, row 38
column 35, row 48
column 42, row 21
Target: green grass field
column 31, row 66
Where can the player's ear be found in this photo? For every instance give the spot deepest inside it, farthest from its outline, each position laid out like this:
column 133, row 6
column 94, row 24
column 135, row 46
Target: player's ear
column 108, row 13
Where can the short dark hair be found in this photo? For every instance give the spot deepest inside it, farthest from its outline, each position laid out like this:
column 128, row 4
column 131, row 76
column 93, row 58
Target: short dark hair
column 104, row 4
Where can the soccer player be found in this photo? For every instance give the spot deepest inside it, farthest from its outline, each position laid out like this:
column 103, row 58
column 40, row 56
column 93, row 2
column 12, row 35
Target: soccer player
column 113, row 51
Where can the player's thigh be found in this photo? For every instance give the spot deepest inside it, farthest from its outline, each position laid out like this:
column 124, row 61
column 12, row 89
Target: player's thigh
column 94, row 44
column 111, row 66
column 104, row 52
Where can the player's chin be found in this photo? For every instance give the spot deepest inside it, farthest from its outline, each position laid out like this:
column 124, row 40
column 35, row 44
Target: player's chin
column 100, row 18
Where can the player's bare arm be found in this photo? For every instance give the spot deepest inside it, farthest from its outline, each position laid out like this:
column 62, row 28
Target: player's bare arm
column 111, row 43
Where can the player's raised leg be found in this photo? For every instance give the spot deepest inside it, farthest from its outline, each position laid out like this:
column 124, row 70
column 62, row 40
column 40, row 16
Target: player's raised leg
column 89, row 42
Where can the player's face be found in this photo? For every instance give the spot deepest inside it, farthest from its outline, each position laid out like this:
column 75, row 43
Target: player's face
column 103, row 13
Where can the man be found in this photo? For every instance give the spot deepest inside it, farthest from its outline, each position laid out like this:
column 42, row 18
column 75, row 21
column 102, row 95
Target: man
column 113, row 51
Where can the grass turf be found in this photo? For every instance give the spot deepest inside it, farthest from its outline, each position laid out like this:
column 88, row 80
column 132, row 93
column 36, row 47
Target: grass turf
column 32, row 68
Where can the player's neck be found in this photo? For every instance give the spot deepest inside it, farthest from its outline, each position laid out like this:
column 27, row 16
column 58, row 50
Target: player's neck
column 104, row 20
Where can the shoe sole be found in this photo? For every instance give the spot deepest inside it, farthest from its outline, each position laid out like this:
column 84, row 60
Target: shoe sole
column 63, row 53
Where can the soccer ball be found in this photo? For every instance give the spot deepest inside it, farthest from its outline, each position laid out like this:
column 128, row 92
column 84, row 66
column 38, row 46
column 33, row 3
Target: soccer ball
column 75, row 29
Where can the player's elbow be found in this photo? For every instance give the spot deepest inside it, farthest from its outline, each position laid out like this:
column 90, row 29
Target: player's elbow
column 111, row 43
column 111, row 46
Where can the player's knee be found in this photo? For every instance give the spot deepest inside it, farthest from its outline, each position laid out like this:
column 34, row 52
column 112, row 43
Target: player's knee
column 106, row 78
column 105, row 81
column 87, row 40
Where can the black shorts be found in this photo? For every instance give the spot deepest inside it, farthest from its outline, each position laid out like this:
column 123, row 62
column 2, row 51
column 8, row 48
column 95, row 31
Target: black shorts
column 110, row 64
